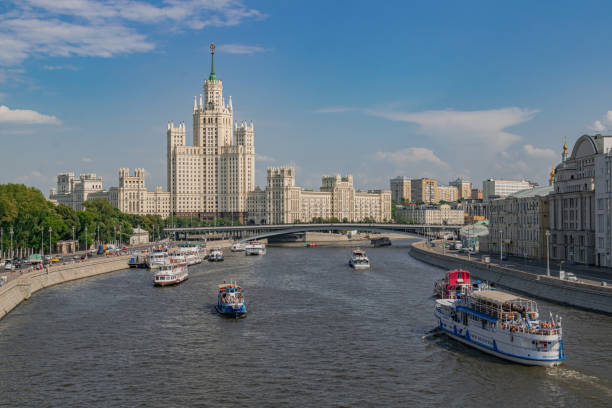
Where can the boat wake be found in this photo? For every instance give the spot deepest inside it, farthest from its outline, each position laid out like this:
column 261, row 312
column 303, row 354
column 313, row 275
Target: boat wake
column 567, row 374
column 432, row 334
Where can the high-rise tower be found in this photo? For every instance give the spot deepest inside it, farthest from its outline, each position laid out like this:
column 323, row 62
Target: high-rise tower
column 212, row 177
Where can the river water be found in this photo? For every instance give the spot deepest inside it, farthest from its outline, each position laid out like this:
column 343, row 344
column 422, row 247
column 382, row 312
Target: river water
column 318, row 334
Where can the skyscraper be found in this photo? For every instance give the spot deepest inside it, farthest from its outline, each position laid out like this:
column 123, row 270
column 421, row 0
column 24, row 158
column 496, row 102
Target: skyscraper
column 211, row 178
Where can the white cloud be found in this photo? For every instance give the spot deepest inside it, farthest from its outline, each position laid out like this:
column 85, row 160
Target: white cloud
column 411, row 155
column 87, row 160
column 539, row 153
column 604, row 124
column 485, row 128
column 26, row 117
column 60, row 68
column 263, row 158
column 240, row 49
column 103, row 28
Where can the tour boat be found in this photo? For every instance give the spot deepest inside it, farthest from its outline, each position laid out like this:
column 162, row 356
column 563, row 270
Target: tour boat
column 359, row 260
column 255, row 248
column 191, row 254
column 504, row 325
column 215, row 255
column 455, row 284
column 238, row 247
column 230, row 300
column 171, row 274
column 156, row 260
column 311, row 245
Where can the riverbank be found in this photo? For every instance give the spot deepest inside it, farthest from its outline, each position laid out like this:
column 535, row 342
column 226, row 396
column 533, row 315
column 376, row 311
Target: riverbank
column 583, row 294
column 21, row 288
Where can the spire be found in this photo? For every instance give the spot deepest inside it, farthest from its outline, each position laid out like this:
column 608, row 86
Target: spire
column 195, row 106
column 564, row 156
column 552, row 176
column 212, row 76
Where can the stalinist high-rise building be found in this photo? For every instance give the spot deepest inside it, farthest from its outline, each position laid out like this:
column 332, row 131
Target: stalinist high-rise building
column 211, row 179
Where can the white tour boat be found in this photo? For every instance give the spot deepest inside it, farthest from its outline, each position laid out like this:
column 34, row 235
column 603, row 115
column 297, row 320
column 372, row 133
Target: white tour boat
column 171, row 274
column 156, row 260
column 255, row 248
column 504, row 325
column 238, row 247
column 191, row 254
column 359, row 260
column 215, row 255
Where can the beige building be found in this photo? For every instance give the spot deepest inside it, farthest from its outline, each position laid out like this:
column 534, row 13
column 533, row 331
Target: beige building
column 492, row 188
column 448, row 193
column 400, row 189
column 132, row 197
column 476, row 194
column 211, row 178
column 424, row 190
column 74, row 193
column 572, row 203
column 519, row 223
column 284, row 203
column 431, row 215
column 464, row 188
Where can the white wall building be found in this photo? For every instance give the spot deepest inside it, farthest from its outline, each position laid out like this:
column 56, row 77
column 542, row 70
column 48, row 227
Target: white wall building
column 74, row 193
column 464, row 188
column 400, row 189
column 211, row 178
column 603, row 208
column 282, row 202
column 492, row 188
column 132, row 197
column 448, row 193
column 431, row 215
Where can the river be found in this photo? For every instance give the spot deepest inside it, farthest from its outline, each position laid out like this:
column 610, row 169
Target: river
column 318, row 334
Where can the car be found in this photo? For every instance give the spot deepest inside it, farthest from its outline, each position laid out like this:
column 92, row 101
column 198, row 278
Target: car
column 56, row 259
column 570, row 276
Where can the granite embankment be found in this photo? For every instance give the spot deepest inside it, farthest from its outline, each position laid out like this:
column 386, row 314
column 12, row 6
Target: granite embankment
column 586, row 295
column 22, row 287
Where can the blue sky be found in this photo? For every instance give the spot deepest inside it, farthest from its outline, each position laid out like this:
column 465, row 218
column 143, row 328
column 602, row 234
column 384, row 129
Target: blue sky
column 438, row 89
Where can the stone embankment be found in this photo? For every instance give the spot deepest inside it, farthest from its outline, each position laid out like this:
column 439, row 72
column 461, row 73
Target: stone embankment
column 21, row 288
column 586, row 295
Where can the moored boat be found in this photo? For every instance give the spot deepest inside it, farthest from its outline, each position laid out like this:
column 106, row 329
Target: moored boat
column 255, row 248
column 156, row 260
column 504, row 325
column 238, row 247
column 171, row 274
column 359, row 260
column 230, row 300
column 454, row 284
column 215, row 255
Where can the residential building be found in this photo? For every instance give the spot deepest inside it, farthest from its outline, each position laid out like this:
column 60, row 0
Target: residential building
column 400, row 189
column 603, row 209
column 424, row 190
column 282, row 202
column 212, row 177
column 464, row 188
column 132, row 197
column 572, row 203
column 448, row 193
column 74, row 193
column 430, row 215
column 519, row 223
column 477, row 209
column 492, row 188
column 476, row 194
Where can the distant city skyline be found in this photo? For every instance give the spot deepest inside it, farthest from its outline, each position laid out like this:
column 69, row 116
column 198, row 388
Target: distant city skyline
column 416, row 90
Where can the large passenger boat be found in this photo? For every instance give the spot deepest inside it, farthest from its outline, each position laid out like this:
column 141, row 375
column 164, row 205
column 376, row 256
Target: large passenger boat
column 359, row 260
column 230, row 300
column 255, row 248
column 171, row 274
column 504, row 325
column 238, row 247
column 215, row 255
column 156, row 260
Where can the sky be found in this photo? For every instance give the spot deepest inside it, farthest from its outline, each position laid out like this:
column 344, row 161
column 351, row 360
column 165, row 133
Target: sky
column 443, row 89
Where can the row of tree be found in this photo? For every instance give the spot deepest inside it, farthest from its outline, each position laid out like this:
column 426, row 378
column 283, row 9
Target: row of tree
column 34, row 221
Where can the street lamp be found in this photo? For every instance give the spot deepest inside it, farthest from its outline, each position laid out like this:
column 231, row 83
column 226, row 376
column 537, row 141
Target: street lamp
column 42, row 247
column 115, row 229
column 73, row 241
column 501, row 244
column 98, row 233
column 547, row 253
column 86, row 239
column 50, row 230
column 12, row 242
column 1, row 241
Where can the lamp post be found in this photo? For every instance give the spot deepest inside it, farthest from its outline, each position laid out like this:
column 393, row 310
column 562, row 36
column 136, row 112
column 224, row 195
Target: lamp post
column 50, row 230
column 1, row 241
column 11, row 232
column 86, row 239
column 98, row 234
column 42, row 247
column 115, row 238
column 547, row 253
column 501, row 244
column 120, row 235
column 73, row 240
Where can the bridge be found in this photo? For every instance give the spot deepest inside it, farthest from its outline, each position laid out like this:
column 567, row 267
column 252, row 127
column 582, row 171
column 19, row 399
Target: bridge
column 255, row 232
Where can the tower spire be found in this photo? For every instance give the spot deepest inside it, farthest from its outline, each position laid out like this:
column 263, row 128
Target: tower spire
column 212, row 76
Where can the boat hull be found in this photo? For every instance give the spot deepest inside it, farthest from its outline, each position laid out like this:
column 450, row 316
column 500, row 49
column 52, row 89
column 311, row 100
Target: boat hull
column 170, row 283
column 230, row 311
column 359, row 265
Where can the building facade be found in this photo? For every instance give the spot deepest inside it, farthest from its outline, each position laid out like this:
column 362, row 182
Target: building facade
column 132, row 197
column 572, row 203
column 430, row 215
column 424, row 190
column 464, row 188
column 492, row 188
column 476, row 194
column 448, row 193
column 74, row 193
column 400, row 189
column 212, row 177
column 519, row 223
column 603, row 209
column 282, row 202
